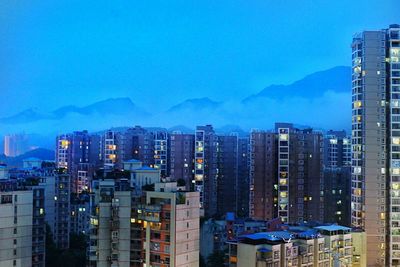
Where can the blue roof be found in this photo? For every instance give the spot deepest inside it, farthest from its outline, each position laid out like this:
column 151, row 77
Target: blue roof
column 264, row 250
column 132, row 161
column 312, row 233
column 32, row 159
column 271, row 236
column 333, row 227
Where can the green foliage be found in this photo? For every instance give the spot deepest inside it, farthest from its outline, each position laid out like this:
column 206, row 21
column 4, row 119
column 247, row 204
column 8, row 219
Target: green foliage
column 75, row 256
column 216, row 259
column 180, row 198
column 181, row 182
column 202, row 262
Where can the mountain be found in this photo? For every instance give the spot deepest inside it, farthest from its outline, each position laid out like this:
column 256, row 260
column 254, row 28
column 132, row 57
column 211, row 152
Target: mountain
column 111, row 106
column 114, row 106
column 195, row 104
column 40, row 153
column 321, row 100
column 337, row 79
column 27, row 115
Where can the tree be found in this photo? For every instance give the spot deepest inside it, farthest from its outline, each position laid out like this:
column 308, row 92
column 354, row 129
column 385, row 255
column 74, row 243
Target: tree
column 216, row 259
column 181, row 182
column 75, row 256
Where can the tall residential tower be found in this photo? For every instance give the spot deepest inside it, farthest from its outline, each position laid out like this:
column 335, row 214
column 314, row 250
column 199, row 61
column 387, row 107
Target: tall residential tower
column 376, row 143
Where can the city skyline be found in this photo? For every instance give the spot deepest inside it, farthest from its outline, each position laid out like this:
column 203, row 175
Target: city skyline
column 161, row 61
column 212, row 134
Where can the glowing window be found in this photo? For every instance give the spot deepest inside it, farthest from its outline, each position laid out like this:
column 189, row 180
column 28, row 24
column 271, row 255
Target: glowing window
column 283, row 137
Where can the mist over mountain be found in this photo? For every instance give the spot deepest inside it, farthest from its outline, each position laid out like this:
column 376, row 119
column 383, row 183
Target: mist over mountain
column 195, row 104
column 321, row 100
column 337, row 79
column 112, row 106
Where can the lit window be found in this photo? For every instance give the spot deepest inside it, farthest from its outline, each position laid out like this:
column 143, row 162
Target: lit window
column 333, row 141
column 283, row 137
column 357, row 104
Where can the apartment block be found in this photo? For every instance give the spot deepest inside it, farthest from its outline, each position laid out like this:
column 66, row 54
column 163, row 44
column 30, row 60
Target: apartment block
column 286, row 174
column 375, row 206
column 16, row 228
column 153, row 228
column 337, row 178
column 326, row 246
column 182, row 158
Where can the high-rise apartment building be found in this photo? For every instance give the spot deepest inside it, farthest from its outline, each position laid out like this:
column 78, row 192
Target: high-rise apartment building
column 227, row 173
column 286, row 174
column 242, row 189
column 182, row 157
column 16, row 228
column 143, row 145
column 205, row 171
column 161, row 152
column 62, row 209
column 337, row 177
column 22, row 227
column 153, row 228
column 15, row 144
column 376, row 143
column 79, row 153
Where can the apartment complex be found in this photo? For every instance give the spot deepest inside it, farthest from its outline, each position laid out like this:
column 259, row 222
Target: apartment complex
column 16, row 228
column 15, row 144
column 325, row 246
column 182, row 158
column 155, row 228
column 205, row 172
column 227, row 176
column 376, row 143
column 286, row 174
column 22, row 227
column 337, row 177
column 79, row 153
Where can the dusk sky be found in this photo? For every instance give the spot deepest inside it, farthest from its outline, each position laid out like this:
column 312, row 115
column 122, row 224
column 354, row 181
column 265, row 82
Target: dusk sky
column 62, row 52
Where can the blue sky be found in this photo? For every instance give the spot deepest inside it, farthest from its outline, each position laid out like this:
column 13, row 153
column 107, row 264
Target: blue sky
column 159, row 53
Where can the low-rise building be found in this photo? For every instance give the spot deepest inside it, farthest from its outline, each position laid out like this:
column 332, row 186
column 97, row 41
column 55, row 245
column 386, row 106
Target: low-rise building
column 321, row 246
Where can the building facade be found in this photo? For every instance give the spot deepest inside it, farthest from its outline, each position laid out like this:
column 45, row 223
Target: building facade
column 376, row 143
column 182, row 158
column 156, row 228
column 337, row 177
column 286, row 174
column 205, row 171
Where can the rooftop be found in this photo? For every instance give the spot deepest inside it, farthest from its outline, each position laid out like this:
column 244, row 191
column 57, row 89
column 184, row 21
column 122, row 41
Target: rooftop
column 32, row 159
column 132, row 161
column 146, row 168
column 333, row 228
column 270, row 236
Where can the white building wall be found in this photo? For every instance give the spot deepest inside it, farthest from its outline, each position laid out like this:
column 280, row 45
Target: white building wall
column 16, row 235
